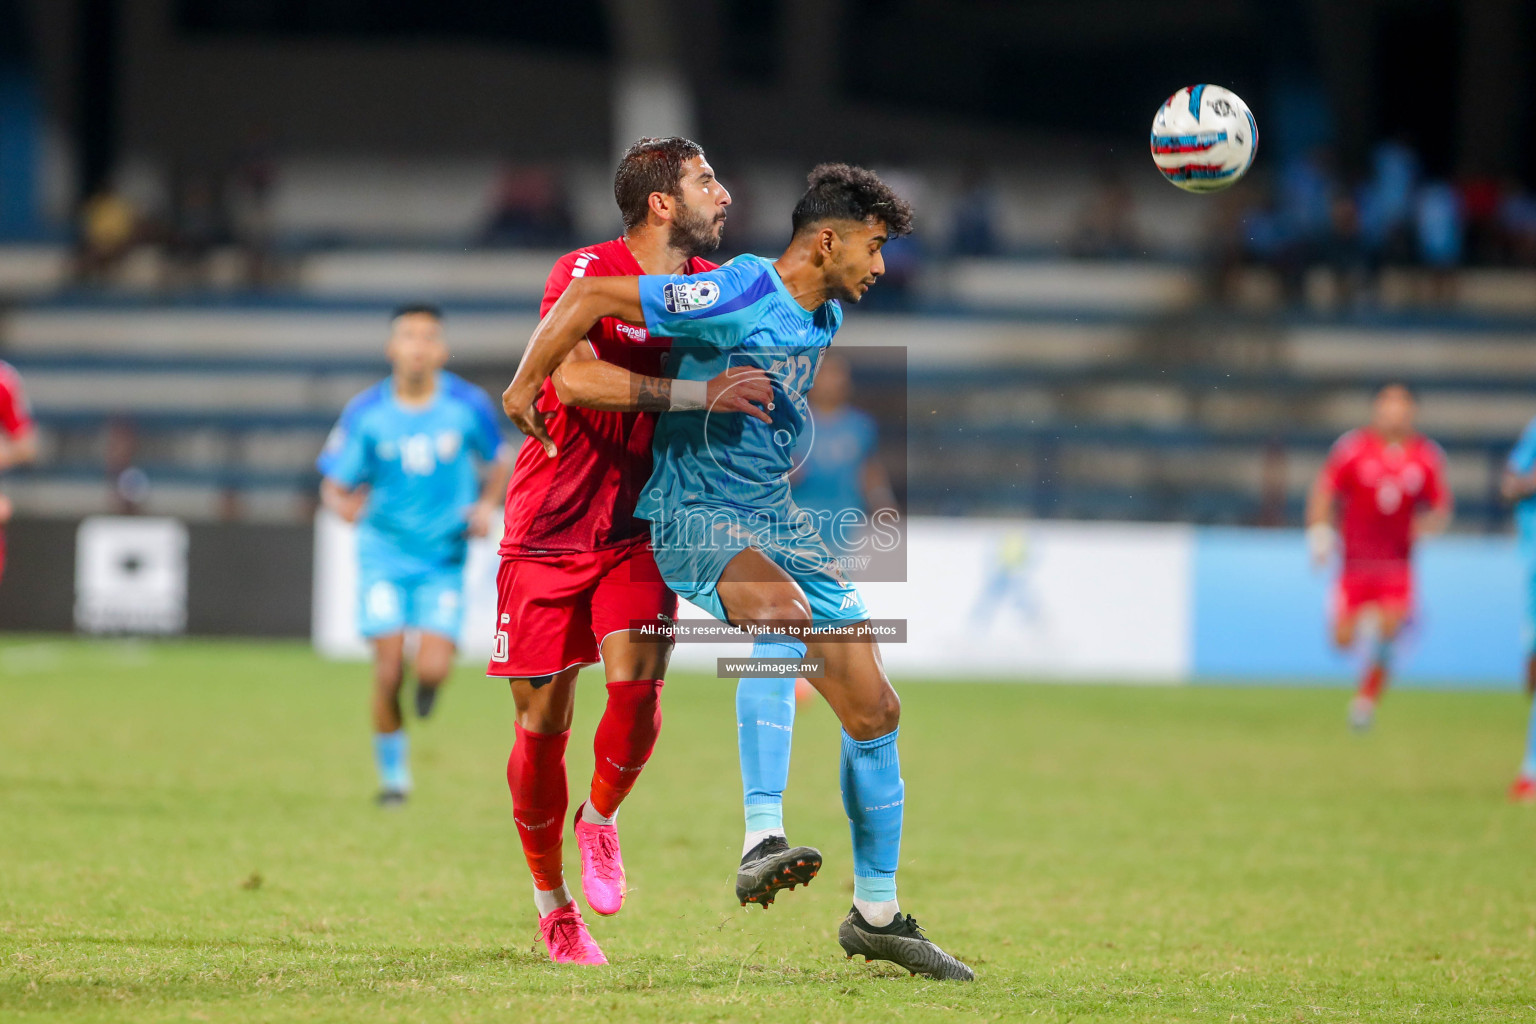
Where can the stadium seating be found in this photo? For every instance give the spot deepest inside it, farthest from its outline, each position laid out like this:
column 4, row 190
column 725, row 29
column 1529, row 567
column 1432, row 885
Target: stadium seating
column 1080, row 390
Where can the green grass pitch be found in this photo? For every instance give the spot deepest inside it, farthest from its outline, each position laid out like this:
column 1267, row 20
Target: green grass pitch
column 186, row 834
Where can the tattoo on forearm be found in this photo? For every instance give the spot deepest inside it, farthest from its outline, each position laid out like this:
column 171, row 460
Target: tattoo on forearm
column 654, row 395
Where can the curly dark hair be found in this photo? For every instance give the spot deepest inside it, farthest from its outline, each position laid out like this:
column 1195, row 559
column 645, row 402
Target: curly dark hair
column 844, row 192
column 650, row 165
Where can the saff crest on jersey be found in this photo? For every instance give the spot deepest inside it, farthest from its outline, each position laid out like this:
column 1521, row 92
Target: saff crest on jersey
column 687, row 296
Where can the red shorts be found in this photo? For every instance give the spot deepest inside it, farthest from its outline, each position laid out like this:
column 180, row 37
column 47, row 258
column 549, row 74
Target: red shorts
column 1388, row 585
column 553, row 611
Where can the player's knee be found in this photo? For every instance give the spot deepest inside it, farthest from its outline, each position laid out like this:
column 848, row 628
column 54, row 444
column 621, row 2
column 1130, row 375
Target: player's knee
column 433, row 671
column 388, row 672
column 787, row 614
column 545, row 720
column 879, row 717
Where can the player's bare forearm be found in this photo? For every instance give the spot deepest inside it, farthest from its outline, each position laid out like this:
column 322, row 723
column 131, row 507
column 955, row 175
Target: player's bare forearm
column 18, row 450
column 493, row 492
column 586, row 381
column 1320, row 533
column 343, row 501
column 586, row 301
column 877, row 487
column 1320, row 505
column 595, row 384
column 1517, row 486
column 497, row 473
column 1436, row 521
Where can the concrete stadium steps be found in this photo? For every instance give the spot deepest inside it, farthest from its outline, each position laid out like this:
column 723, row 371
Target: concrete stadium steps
column 243, row 330
column 1095, row 415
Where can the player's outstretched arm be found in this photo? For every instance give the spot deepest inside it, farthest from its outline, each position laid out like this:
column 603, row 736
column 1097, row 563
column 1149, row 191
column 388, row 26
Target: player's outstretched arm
column 1320, row 533
column 592, row 383
column 584, row 302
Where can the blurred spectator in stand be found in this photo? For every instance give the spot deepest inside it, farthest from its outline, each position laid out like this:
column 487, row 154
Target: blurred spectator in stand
column 1225, row 242
column 1438, row 224
column 529, row 209
column 252, row 180
column 1517, row 222
column 129, row 485
column 1480, row 200
column 976, row 217
column 108, row 229
column 1305, row 194
column 1272, row 486
column 1385, row 203
column 1343, row 252
column 198, row 224
column 1106, row 225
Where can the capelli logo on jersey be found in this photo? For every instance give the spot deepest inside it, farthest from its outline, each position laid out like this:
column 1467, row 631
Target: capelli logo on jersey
column 687, row 296
column 636, row 334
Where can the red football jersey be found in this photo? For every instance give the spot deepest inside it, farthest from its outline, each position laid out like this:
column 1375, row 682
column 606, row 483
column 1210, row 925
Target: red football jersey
column 15, row 415
column 584, row 498
column 1380, row 487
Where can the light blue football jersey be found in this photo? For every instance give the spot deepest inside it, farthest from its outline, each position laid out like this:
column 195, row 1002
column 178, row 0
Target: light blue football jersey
column 1522, row 460
column 738, row 315
column 422, row 468
column 830, row 476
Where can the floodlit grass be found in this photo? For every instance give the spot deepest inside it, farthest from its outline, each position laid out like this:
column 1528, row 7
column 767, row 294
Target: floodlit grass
column 186, row 833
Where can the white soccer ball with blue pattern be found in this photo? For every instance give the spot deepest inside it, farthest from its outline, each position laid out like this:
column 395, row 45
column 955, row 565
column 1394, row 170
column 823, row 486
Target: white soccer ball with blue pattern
column 1204, row 138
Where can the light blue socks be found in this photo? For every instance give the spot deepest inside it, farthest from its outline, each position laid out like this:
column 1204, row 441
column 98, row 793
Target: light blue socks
column 391, row 753
column 765, row 722
column 873, row 794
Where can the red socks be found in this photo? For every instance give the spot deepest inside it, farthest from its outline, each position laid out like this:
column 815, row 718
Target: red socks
column 626, row 735
column 1375, row 678
column 536, row 777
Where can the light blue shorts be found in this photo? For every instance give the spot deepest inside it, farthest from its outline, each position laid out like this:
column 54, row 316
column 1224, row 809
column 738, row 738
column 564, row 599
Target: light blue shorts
column 431, row 601
column 693, row 548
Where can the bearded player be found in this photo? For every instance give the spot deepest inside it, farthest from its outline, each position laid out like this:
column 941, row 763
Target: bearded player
column 18, row 438
column 1387, row 484
column 725, row 531
column 577, row 570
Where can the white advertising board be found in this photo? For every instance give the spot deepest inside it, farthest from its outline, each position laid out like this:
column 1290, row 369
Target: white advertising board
column 984, row 599
column 131, row 575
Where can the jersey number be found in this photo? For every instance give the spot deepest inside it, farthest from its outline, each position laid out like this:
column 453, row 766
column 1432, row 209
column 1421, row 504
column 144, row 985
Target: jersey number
column 503, row 643
column 417, row 456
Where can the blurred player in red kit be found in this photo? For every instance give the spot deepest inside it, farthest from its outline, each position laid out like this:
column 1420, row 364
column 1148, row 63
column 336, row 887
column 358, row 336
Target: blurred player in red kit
column 577, row 569
column 18, row 438
column 1387, row 483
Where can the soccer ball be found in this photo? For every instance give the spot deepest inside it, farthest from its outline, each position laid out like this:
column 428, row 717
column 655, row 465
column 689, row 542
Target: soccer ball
column 1204, row 138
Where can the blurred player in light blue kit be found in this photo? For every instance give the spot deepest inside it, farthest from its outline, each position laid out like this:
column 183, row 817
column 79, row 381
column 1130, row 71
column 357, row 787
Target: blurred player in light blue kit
column 1519, row 486
column 728, row 536
column 838, row 477
column 418, row 462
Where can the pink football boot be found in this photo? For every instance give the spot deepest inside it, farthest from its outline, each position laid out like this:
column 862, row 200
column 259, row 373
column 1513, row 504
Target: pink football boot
column 602, row 866
column 566, row 935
